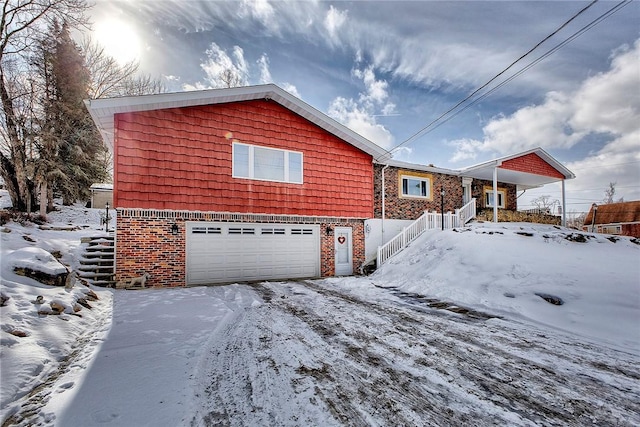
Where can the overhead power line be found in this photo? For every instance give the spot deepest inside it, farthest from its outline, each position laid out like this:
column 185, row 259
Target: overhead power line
column 440, row 120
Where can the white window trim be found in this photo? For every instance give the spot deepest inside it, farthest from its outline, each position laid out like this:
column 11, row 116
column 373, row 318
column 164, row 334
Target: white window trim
column 251, row 164
column 500, row 192
column 417, row 178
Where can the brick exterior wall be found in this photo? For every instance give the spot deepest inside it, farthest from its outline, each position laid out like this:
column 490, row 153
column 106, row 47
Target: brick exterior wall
column 397, row 207
column 532, row 163
column 144, row 243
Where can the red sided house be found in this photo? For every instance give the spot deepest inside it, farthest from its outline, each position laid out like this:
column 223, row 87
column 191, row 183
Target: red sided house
column 251, row 183
column 614, row 218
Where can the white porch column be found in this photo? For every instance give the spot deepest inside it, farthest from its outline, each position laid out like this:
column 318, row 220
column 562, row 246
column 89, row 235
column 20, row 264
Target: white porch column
column 495, row 194
column 564, row 207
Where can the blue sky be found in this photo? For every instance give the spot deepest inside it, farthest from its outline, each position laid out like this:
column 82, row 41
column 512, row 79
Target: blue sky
column 386, row 69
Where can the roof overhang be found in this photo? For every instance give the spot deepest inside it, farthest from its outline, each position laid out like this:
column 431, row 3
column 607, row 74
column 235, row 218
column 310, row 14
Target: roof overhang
column 103, row 110
column 523, row 180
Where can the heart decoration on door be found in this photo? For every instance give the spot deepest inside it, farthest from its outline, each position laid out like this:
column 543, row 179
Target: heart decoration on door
column 341, row 240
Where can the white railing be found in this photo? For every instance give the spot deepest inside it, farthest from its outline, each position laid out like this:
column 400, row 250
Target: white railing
column 427, row 221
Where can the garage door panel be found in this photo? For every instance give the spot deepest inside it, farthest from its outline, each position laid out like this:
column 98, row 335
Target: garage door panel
column 225, row 252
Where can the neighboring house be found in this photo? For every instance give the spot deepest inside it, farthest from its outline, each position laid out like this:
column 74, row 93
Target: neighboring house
column 252, row 183
column 614, row 218
column 101, row 194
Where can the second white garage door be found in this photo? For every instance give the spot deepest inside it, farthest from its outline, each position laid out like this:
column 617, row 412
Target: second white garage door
column 219, row 252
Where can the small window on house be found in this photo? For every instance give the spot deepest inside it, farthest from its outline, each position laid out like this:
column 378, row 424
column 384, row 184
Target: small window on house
column 414, row 186
column 241, row 230
column 267, row 164
column 273, row 231
column 611, row 229
column 488, row 198
column 298, row 231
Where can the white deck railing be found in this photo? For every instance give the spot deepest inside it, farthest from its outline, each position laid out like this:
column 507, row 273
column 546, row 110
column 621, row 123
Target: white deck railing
column 427, row 221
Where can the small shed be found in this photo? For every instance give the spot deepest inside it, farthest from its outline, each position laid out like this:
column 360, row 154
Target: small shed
column 614, row 218
column 101, row 194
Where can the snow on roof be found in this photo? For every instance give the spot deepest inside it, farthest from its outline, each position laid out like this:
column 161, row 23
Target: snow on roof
column 101, row 186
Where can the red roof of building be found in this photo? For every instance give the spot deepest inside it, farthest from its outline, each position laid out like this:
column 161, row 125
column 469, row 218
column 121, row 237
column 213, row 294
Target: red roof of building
column 615, row 213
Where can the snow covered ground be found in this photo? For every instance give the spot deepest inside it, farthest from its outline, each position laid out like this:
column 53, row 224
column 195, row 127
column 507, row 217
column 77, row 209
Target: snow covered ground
column 449, row 332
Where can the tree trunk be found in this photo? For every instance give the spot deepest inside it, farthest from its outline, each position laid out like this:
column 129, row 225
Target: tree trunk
column 14, row 168
column 43, row 199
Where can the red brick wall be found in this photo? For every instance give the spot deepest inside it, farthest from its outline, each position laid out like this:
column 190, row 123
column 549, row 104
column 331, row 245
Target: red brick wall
column 145, row 244
column 531, row 163
column 181, row 159
column 406, row 208
column 327, row 247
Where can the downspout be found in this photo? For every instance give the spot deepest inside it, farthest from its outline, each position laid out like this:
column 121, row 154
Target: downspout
column 383, row 211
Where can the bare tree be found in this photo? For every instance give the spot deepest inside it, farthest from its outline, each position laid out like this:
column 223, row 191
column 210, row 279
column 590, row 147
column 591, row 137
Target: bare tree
column 545, row 204
column 110, row 78
column 609, row 195
column 230, row 78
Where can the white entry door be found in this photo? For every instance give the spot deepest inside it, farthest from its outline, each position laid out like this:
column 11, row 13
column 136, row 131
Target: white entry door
column 343, row 251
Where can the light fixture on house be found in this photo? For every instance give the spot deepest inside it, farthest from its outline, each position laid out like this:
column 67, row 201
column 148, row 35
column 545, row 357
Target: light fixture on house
column 174, row 229
column 329, row 231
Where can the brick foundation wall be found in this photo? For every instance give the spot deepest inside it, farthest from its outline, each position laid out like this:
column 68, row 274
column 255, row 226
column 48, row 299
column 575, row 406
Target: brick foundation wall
column 144, row 242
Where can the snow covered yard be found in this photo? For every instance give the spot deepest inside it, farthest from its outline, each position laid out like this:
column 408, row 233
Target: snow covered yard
column 450, row 332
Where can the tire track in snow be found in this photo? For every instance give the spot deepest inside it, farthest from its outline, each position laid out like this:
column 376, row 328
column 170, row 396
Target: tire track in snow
column 313, row 355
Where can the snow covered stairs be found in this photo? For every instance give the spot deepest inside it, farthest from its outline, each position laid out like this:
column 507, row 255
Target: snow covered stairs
column 427, row 221
column 97, row 263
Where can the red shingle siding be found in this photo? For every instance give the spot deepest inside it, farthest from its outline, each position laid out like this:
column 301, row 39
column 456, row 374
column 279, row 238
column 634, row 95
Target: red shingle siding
column 531, row 163
column 181, row 159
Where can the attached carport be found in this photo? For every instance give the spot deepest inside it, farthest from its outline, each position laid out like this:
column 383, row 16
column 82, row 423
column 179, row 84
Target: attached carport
column 530, row 169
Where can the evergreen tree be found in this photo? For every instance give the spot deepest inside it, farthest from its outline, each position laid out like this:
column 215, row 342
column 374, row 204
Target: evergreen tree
column 72, row 146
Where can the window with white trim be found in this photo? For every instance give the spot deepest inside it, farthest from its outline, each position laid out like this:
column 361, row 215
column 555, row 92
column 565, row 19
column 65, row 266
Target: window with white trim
column 488, row 198
column 611, row 229
column 267, row 164
column 416, row 186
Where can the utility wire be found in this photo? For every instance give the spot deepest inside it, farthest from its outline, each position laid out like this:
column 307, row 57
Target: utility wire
column 439, row 120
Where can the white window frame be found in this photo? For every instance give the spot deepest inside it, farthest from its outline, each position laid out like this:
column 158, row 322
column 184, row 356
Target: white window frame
column 251, row 166
column 416, row 178
column 611, row 229
column 502, row 197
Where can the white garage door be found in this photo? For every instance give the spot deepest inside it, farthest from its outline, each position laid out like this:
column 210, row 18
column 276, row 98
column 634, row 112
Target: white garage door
column 219, row 252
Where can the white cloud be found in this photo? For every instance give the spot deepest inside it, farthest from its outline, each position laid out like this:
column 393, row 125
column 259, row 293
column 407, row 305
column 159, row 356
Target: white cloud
column 604, row 103
column 333, row 21
column 263, row 66
column 218, row 61
column 291, row 89
column 360, row 115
